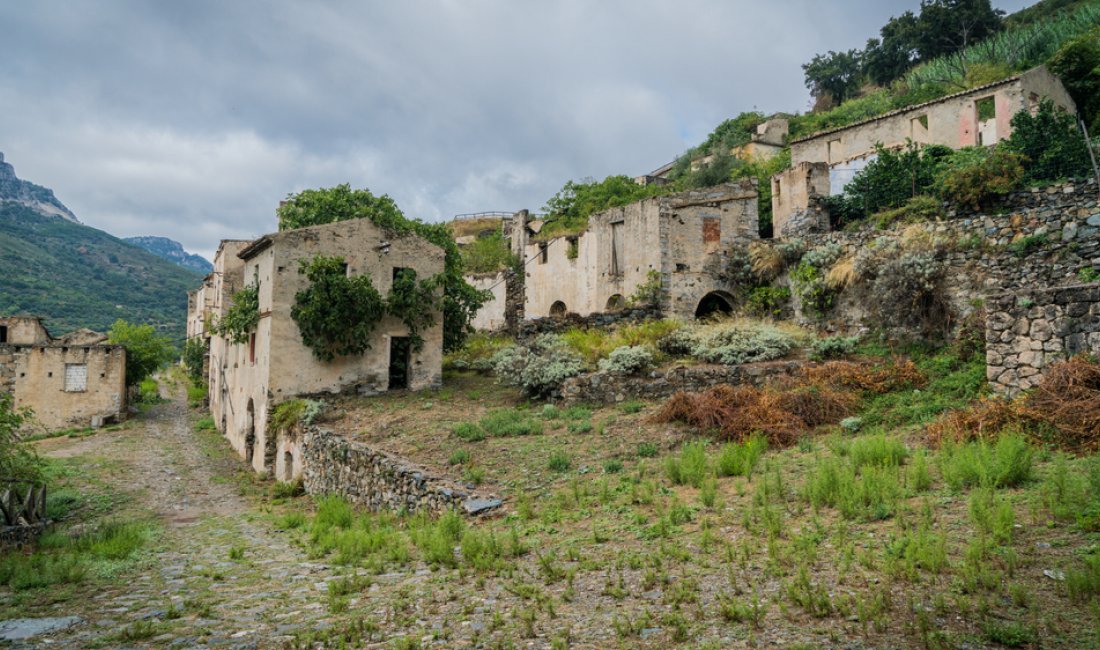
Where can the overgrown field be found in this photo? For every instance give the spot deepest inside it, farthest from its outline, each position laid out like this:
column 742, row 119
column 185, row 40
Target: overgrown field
column 628, row 528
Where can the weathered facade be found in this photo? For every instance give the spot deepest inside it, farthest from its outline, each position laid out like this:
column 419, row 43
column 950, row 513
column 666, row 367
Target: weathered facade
column 247, row 380
column 75, row 381
column 680, row 241
column 823, row 163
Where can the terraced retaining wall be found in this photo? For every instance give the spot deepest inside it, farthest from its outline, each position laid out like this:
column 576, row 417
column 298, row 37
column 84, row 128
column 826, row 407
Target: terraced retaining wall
column 1026, row 331
column 378, row 481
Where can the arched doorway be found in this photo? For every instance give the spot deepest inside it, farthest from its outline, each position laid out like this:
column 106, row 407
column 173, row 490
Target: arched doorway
column 558, row 309
column 715, row 302
column 249, row 432
column 615, row 303
column 288, row 466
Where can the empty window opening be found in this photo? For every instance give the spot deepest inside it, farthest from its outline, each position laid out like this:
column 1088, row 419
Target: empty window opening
column 682, row 268
column 542, row 253
column 288, row 466
column 400, row 352
column 76, row 377
column 617, row 248
column 715, row 302
column 3, row 333
column 835, row 151
column 249, row 432
column 616, row 302
column 918, row 128
column 558, row 309
column 252, row 348
column 986, row 112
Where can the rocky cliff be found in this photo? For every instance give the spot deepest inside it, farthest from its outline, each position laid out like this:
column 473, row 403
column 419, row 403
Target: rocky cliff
column 172, row 251
column 37, row 198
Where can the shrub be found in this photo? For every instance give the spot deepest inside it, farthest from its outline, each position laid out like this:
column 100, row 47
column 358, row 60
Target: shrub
column 647, row 450
column 627, row 360
column 833, row 346
column 731, row 342
column 1050, row 142
column 1068, row 398
column 459, row 457
column 18, row 460
column 876, row 450
column 1025, row 246
column 538, row 368
column 194, row 354
column 980, row 420
column 869, row 494
column 1083, row 583
column 766, row 261
column 690, row 467
column 510, row 422
column 649, row 292
column 468, row 431
column 917, row 208
column 335, row 314
column 559, row 461
column 908, row 292
column 739, row 459
column 1006, row 463
column 977, row 176
column 767, row 302
column 814, row 294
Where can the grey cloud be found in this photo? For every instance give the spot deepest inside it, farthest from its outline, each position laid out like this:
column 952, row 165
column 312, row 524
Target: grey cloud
column 192, row 119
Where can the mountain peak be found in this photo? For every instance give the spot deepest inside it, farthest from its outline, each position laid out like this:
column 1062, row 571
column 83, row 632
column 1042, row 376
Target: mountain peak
column 37, row 198
column 172, row 251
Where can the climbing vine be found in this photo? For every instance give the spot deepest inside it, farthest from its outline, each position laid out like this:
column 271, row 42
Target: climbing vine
column 243, row 316
column 336, row 314
column 414, row 303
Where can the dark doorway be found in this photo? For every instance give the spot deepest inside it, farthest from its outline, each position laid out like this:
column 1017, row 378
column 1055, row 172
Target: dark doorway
column 715, row 302
column 558, row 309
column 400, row 349
column 249, row 432
column 3, row 333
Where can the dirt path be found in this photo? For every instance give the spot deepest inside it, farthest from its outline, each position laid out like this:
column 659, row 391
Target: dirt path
column 220, row 575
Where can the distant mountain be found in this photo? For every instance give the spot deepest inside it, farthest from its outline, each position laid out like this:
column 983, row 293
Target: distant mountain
column 37, row 198
column 74, row 276
column 172, row 251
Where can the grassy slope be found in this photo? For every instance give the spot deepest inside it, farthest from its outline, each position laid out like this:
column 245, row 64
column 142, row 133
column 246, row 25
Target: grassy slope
column 77, row 276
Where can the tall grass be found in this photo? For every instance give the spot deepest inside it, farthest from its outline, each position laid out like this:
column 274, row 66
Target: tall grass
column 1006, row 463
column 740, row 458
column 62, row 559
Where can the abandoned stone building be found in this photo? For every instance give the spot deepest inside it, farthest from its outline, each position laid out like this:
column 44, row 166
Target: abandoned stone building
column 679, row 242
column 77, row 380
column 823, row 163
column 248, row 380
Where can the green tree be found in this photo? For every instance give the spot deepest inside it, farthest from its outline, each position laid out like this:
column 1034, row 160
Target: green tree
column 194, row 354
column 17, row 459
column 834, row 77
column 327, row 205
column 1050, row 142
column 1077, row 64
column 336, row 314
column 947, row 26
column 146, row 351
column 887, row 59
column 569, row 209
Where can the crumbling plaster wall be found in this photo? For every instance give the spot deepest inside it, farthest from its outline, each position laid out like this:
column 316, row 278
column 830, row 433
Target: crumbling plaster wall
column 35, row 375
column 25, row 330
column 492, row 316
column 685, row 238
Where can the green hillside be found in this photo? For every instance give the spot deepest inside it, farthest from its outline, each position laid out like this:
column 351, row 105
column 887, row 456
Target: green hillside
column 77, row 276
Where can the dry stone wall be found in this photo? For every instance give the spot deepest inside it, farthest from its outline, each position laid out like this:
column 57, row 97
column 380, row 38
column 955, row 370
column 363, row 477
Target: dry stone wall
column 1026, row 331
column 609, row 388
column 1039, row 237
column 378, row 481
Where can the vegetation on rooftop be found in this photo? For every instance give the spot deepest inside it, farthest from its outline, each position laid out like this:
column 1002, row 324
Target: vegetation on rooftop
column 327, row 205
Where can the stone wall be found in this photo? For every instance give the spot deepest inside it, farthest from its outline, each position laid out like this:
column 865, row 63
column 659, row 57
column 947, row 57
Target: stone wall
column 610, row 388
column 1026, row 331
column 1062, row 222
column 93, row 394
column 368, row 477
column 534, row 327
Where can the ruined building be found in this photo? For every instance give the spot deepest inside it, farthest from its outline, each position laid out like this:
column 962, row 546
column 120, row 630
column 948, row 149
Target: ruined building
column 823, row 163
column 678, row 245
column 77, row 380
column 248, row 380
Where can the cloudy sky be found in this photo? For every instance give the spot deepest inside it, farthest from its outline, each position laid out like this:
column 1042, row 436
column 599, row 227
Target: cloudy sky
column 191, row 119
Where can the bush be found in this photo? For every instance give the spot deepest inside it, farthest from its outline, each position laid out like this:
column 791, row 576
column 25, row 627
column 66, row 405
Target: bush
column 814, row 293
column 477, row 352
column 731, row 342
column 627, row 360
column 918, row 208
column 908, row 292
column 510, row 422
column 468, row 431
column 146, row 351
column 1068, row 398
column 18, row 460
column 739, row 459
column 487, row 254
column 690, row 467
column 976, row 176
column 194, row 355
column 1007, row 463
column 833, row 346
column 540, row 368
column 559, row 461
column 767, row 302
column 1050, row 143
